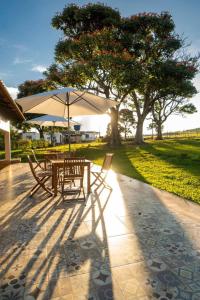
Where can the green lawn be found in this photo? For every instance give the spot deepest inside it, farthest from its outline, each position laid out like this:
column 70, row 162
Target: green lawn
column 171, row 165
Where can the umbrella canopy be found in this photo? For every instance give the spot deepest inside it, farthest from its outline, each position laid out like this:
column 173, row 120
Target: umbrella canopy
column 65, row 102
column 54, row 121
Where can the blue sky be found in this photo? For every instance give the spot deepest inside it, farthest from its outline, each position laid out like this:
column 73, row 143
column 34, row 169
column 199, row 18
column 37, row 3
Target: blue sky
column 27, row 39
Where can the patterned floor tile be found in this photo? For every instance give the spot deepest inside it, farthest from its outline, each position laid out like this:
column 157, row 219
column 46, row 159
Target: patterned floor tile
column 136, row 243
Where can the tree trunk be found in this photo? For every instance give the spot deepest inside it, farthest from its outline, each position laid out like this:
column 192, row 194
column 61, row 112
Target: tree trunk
column 41, row 132
column 139, row 132
column 115, row 135
column 125, row 134
column 159, row 131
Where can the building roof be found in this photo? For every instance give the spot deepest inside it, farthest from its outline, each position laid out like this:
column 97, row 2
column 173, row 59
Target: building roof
column 8, row 107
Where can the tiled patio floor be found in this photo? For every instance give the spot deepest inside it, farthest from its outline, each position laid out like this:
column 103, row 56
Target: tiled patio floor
column 133, row 243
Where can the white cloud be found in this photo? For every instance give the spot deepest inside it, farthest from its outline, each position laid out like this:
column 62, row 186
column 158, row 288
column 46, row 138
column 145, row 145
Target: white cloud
column 39, row 68
column 19, row 60
column 12, row 91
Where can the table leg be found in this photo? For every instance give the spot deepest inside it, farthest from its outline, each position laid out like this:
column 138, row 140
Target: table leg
column 88, row 180
column 54, row 179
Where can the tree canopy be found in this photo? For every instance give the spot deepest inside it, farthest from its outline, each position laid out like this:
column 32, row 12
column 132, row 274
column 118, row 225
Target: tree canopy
column 132, row 58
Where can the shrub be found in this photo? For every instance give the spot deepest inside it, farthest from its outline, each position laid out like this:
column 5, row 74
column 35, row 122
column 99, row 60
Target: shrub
column 23, row 144
column 40, row 144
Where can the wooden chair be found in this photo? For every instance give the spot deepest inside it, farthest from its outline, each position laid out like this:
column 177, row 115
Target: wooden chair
column 73, row 171
column 100, row 176
column 41, row 178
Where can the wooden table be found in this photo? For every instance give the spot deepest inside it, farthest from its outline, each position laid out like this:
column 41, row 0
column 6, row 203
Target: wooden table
column 58, row 163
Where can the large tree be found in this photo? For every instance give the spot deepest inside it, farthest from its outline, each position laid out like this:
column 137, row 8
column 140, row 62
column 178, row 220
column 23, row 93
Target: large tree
column 164, row 108
column 116, row 57
column 156, row 71
column 90, row 56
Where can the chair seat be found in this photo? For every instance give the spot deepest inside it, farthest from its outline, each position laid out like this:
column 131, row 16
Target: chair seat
column 71, row 190
column 44, row 173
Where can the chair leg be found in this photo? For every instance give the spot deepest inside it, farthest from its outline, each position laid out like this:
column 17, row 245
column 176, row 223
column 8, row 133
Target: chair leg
column 33, row 188
column 41, row 184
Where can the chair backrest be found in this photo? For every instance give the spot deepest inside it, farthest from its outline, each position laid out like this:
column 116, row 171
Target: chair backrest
column 32, row 167
column 34, row 156
column 107, row 161
column 73, row 166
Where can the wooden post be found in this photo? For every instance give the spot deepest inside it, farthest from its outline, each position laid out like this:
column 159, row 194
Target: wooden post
column 7, row 146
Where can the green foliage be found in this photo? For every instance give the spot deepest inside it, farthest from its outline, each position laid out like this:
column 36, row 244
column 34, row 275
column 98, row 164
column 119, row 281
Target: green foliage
column 188, row 109
column 23, row 144
column 28, row 144
column 2, row 146
column 126, row 121
column 74, row 21
column 41, row 143
column 31, row 87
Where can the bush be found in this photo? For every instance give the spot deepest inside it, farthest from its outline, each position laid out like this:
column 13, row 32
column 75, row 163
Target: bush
column 1, row 142
column 27, row 144
column 40, row 144
column 23, row 144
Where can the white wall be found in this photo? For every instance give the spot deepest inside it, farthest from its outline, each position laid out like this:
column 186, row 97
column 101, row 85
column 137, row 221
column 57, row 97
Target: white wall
column 4, row 125
column 31, row 136
column 88, row 137
column 57, row 137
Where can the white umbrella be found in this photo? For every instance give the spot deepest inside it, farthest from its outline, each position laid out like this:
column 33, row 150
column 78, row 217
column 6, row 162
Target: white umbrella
column 66, row 102
column 53, row 121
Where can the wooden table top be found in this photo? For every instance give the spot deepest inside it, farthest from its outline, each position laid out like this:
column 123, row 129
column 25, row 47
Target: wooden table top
column 61, row 161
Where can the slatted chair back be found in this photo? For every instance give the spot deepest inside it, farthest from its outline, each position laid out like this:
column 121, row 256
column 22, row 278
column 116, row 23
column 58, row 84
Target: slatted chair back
column 107, row 162
column 73, row 167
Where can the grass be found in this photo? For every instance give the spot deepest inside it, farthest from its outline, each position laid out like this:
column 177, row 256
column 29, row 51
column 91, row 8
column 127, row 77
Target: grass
column 171, row 165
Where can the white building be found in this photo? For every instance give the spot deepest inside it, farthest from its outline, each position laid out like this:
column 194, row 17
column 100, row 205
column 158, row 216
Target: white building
column 88, row 136
column 56, row 137
column 33, row 136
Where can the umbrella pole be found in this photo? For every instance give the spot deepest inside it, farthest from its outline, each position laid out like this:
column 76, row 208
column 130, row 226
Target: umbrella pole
column 69, row 142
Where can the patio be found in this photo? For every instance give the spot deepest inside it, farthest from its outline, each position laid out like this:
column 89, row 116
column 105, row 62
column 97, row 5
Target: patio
column 135, row 242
